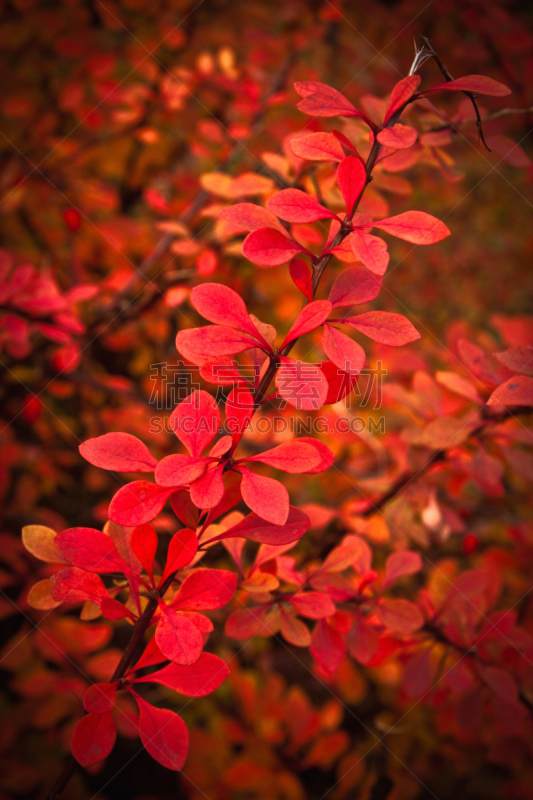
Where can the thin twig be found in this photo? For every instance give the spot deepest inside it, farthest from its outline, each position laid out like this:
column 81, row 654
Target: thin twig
column 137, row 636
column 448, row 77
column 454, row 126
column 438, row 456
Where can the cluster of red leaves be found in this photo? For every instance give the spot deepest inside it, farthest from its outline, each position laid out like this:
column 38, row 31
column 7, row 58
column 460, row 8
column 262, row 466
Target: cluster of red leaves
column 345, row 577
column 180, row 633
column 202, row 488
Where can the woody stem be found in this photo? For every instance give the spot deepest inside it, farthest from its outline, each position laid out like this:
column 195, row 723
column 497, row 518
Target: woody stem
column 319, row 267
column 140, row 628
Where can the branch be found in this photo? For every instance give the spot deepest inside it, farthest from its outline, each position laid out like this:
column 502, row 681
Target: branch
column 321, row 263
column 140, row 628
column 448, row 77
column 438, row 456
column 439, row 635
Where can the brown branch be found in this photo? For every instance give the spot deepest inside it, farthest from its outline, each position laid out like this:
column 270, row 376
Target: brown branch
column 402, row 483
column 140, row 628
column 455, row 126
column 448, row 77
column 437, row 457
column 504, row 112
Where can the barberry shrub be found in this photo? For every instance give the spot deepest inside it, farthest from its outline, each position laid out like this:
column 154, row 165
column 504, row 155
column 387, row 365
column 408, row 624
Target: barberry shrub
column 203, row 550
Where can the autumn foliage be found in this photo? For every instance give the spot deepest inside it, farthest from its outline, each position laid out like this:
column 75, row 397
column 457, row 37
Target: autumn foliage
column 267, row 407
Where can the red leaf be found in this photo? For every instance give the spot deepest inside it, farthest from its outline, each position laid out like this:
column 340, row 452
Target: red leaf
column 397, row 137
column 347, row 147
column 445, row 432
column 122, row 539
column 90, row 550
column 93, row 738
column 326, row 456
column 206, row 589
column 196, row 421
column 458, row 385
column 321, row 100
column 180, row 470
column 118, row 451
column 112, row 609
column 144, row 544
column 137, row 503
column 203, row 361
column 301, row 277
column 353, row 552
column 239, row 411
column 293, row 205
column 346, row 354
column 398, row 565
column 177, row 637
column 266, row 496
column 370, row 250
column 293, row 629
column 208, row 491
column 249, row 217
column 309, row 319
column 221, row 447
column 479, row 84
column 362, row 640
column 317, row 147
column 354, row 286
column 327, row 647
column 479, row 363
column 414, row 226
column 152, row 655
column 202, row 622
column 164, row 735
column 400, row 616
column 182, row 549
column 314, row 605
column 340, row 383
column 294, row 457
column 517, row 391
column 517, row 359
column 214, row 340
column 196, row 680
column 351, row 179
column 402, row 92
column 245, row 622
column 255, row 529
column 73, row 585
column 221, row 305
column 270, row 248
column 302, row 385
column 509, row 150
column 184, row 508
column 384, row 327
column 100, row 698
